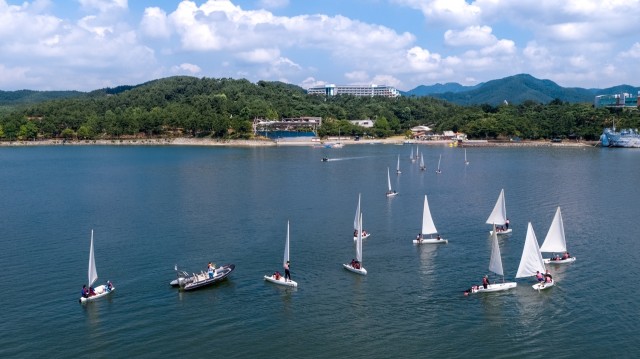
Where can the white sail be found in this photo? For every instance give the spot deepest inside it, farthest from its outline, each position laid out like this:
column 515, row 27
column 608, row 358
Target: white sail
column 428, row 227
column 286, row 247
column 531, row 261
column 359, row 241
column 499, row 214
column 398, row 165
column 411, row 157
column 439, row 159
column 388, row 179
column 465, row 157
column 495, row 264
column 422, row 166
column 555, row 241
column 93, row 273
column 356, row 219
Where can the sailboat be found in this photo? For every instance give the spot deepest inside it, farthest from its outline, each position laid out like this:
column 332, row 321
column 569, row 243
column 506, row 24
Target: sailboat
column 438, row 171
column 411, row 157
column 422, row 166
column 398, row 166
column 390, row 192
column 101, row 290
column 531, row 262
column 356, row 220
column 338, row 144
column 555, row 242
column 428, row 228
column 465, row 157
column 495, row 266
column 276, row 277
column 499, row 216
column 356, row 265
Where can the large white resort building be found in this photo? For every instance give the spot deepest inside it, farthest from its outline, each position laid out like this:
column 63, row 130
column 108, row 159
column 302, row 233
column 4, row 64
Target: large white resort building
column 354, row 90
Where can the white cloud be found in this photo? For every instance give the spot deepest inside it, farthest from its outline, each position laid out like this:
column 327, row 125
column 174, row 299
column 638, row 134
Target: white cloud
column 154, row 23
column 470, row 36
column 452, row 12
column 259, row 55
column 357, row 77
column 104, row 5
column 633, row 52
column 311, row 82
column 187, row 68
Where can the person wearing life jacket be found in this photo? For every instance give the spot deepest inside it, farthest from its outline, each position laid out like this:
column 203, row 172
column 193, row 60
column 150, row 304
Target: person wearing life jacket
column 566, row 255
column 85, row 291
column 485, row 281
column 210, row 270
column 539, row 277
column 547, row 277
column 108, row 286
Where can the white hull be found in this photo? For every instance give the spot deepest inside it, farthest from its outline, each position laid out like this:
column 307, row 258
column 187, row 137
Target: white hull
column 496, row 287
column 502, row 233
column 430, row 241
column 101, row 291
column 543, row 285
column 393, row 194
column 561, row 261
column 363, row 237
column 361, row 271
column 280, row 281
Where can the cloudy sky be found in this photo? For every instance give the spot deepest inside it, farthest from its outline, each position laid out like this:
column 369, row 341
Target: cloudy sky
column 90, row 44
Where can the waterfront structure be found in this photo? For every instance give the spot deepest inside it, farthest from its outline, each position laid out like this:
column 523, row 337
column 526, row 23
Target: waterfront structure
column 368, row 123
column 354, row 90
column 617, row 100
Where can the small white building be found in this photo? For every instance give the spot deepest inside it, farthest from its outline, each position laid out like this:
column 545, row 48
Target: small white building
column 368, row 123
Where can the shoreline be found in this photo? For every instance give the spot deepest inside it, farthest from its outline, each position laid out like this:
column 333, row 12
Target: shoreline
column 183, row 141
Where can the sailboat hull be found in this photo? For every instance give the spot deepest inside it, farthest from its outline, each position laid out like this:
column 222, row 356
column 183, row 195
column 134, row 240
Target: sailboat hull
column 496, row 287
column 430, row 241
column 360, row 271
column 559, row 261
column 280, row 281
column 503, row 233
column 544, row 285
column 101, row 291
column 392, row 194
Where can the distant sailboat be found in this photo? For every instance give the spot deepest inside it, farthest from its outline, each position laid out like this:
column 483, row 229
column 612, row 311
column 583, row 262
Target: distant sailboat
column 428, row 227
column 555, row 242
column 499, row 216
column 411, row 157
column 438, row 171
column 422, row 166
column 531, row 262
column 390, row 192
column 356, row 220
column 495, row 266
column 356, row 265
column 465, row 157
column 398, row 166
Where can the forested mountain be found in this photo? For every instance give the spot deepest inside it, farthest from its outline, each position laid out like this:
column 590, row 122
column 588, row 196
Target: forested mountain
column 226, row 108
column 516, row 90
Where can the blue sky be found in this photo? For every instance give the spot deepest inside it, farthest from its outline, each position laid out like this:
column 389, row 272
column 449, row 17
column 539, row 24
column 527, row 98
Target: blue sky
column 90, row 44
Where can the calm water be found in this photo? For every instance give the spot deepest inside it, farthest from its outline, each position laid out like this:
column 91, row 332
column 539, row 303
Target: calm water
column 153, row 207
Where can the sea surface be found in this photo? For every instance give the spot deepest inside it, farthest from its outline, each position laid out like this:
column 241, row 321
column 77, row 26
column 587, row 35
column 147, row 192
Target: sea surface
column 154, row 207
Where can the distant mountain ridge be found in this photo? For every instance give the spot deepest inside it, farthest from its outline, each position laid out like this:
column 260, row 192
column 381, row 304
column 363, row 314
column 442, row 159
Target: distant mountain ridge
column 515, row 89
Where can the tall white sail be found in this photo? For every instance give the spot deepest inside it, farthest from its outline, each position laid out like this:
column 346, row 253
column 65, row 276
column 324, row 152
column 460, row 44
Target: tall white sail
column 411, row 157
column 359, row 241
column 356, row 219
column 428, row 227
column 286, row 247
column 388, row 179
column 465, row 157
column 531, row 260
column 439, row 159
column 495, row 264
column 422, row 161
column 555, row 241
column 499, row 214
column 398, row 165
column 93, row 273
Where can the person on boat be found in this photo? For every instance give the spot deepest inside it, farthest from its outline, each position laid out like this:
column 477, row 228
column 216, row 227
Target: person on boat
column 276, row 275
column 108, row 286
column 287, row 274
column 556, row 257
column 547, row 277
column 355, row 233
column 364, row 233
column 418, row 237
column 485, row 281
column 91, row 291
column 566, row 255
column 539, row 277
column 438, row 237
column 85, row 291
column 506, row 223
column 210, row 270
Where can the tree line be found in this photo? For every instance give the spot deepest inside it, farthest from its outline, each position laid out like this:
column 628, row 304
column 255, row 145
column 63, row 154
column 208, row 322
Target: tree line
column 225, row 108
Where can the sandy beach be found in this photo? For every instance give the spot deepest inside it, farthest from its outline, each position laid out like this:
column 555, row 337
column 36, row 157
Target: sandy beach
column 183, row 141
